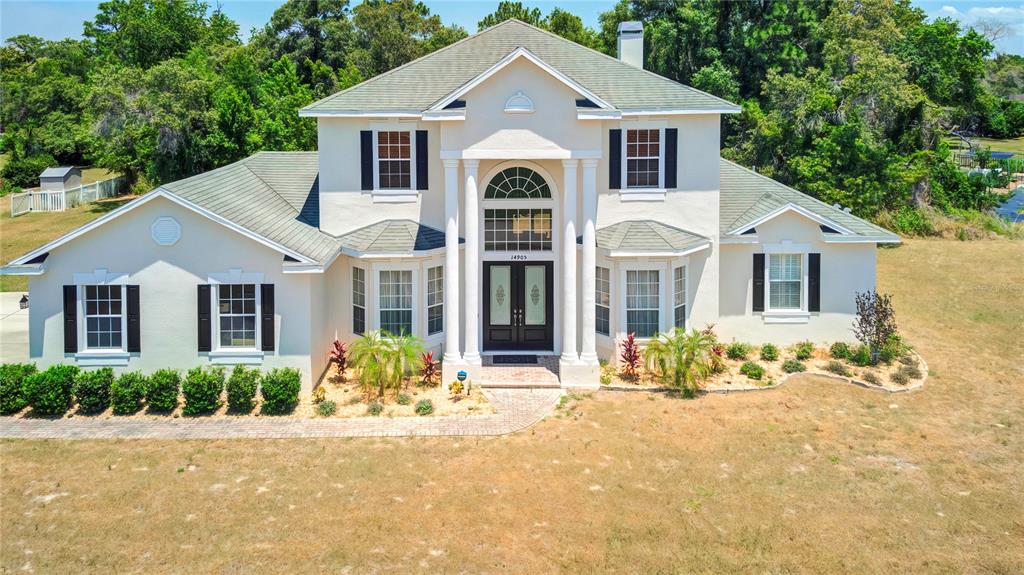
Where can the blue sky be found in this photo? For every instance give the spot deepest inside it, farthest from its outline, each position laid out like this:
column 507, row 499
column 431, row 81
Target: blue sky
column 55, row 19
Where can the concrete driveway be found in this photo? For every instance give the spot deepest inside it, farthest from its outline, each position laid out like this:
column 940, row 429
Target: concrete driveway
column 13, row 329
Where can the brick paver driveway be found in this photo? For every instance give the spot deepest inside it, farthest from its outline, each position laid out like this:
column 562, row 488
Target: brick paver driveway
column 516, row 409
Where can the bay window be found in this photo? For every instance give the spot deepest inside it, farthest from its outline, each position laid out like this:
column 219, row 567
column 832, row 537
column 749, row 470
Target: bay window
column 602, row 299
column 679, row 297
column 435, row 300
column 643, row 302
column 358, row 301
column 395, row 301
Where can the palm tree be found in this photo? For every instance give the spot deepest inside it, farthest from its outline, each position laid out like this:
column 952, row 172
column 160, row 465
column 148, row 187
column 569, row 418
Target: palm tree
column 682, row 358
column 369, row 354
column 404, row 355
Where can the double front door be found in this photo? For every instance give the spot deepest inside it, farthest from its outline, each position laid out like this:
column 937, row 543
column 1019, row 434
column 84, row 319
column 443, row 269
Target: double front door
column 518, row 307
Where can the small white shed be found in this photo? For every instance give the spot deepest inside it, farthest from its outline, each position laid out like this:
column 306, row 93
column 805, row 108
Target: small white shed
column 60, row 179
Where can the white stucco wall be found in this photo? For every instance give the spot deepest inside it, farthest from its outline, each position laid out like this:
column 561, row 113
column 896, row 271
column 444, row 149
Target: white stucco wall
column 168, row 276
column 845, row 270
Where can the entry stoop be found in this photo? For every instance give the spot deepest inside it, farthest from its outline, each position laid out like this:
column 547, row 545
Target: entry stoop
column 541, row 374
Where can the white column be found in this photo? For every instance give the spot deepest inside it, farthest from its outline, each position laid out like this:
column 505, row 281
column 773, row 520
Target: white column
column 472, row 259
column 569, row 353
column 452, row 353
column 588, row 353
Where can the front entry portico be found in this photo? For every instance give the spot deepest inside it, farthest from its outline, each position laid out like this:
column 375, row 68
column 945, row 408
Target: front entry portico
column 519, row 289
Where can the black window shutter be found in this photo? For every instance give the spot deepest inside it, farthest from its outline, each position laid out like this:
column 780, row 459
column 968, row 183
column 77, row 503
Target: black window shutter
column 366, row 158
column 614, row 159
column 134, row 345
column 813, row 282
column 267, row 317
column 422, row 178
column 758, row 282
column 70, row 319
column 671, row 156
column 205, row 325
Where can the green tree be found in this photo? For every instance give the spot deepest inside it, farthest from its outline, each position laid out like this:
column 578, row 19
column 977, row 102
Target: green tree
column 309, row 32
column 390, row 33
column 509, row 10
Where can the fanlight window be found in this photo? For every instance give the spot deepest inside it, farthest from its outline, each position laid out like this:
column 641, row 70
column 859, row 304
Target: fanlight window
column 517, row 184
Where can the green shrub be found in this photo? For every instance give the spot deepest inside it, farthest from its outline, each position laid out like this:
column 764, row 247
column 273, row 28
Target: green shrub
column 769, row 352
column 793, row 366
column 900, row 378
column 752, row 370
column 24, row 171
column 840, row 350
column 838, row 368
column 907, row 359
column 403, row 399
column 424, row 407
column 326, row 408
column 894, row 347
column 92, row 390
column 804, row 350
column 280, row 390
column 737, row 351
column 126, row 393
column 374, row 408
column 911, row 371
column 49, row 392
column 242, row 389
column 162, row 390
column 871, row 378
column 202, row 388
column 12, row 379
column 862, row 356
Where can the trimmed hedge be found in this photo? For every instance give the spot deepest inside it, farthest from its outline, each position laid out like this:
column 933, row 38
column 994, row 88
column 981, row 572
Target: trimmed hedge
column 127, row 393
column 202, row 389
column 242, row 389
column 280, row 390
column 92, row 390
column 49, row 392
column 162, row 390
column 12, row 379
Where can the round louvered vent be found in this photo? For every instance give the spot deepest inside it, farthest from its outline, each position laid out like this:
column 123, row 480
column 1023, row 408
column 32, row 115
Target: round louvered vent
column 166, row 231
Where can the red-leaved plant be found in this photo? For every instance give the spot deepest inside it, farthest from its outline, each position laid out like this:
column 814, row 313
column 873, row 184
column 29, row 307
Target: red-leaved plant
column 429, row 371
column 630, row 357
column 717, row 350
column 338, row 354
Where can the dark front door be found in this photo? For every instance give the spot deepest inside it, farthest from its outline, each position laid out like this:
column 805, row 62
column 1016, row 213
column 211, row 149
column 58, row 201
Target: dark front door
column 518, row 306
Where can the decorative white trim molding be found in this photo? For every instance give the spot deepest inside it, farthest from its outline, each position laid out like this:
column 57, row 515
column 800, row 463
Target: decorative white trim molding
column 102, row 358
column 519, row 103
column 235, row 356
column 512, row 56
column 519, row 154
column 791, row 207
column 642, row 194
column 659, row 112
column 166, row 231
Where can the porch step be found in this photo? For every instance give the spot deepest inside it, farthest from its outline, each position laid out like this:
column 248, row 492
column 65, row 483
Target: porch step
column 519, row 385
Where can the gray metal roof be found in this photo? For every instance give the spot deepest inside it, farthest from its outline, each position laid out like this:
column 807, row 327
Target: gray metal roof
column 393, row 237
column 647, row 236
column 57, row 172
column 421, row 83
column 747, row 196
column 272, row 194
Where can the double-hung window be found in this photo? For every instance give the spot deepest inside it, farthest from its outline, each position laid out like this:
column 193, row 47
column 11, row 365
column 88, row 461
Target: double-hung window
column 785, row 281
column 103, row 316
column 679, row 297
column 602, row 299
column 236, row 313
column 435, row 300
column 643, row 158
column 642, row 302
column 395, row 289
column 358, row 301
column 394, row 160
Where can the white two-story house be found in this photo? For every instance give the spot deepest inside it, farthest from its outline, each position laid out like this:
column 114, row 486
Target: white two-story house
column 511, row 193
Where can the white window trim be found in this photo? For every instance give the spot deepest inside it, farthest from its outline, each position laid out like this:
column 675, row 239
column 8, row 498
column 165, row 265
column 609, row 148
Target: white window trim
column 664, row 303
column 231, row 355
column 352, row 301
column 685, row 264
column 646, row 193
column 427, row 266
column 611, row 298
column 104, row 357
column 770, row 315
column 390, row 195
column 418, row 300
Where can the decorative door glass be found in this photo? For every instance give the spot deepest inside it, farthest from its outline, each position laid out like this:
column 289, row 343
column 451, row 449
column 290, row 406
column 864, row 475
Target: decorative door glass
column 501, row 295
column 535, row 296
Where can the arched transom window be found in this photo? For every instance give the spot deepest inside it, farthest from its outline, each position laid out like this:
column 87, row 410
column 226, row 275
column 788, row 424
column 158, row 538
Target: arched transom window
column 517, row 184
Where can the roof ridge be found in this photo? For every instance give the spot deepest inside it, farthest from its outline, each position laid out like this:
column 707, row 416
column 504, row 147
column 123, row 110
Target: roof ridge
column 406, row 65
column 269, row 187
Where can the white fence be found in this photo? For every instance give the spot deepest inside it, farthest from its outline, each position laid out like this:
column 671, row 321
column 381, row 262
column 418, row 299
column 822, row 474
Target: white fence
column 58, row 201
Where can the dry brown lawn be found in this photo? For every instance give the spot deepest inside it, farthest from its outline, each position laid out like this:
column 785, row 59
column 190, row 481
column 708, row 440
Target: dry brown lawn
column 813, row 477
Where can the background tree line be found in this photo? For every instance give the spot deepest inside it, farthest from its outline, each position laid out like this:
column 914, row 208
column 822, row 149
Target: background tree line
column 848, row 100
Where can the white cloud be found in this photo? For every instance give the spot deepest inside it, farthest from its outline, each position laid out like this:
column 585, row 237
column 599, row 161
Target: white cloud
column 1011, row 16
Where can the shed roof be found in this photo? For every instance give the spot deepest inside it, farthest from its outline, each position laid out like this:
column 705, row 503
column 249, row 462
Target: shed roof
column 59, row 172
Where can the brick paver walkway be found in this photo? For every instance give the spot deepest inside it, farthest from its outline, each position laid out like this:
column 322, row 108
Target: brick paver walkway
column 516, row 409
